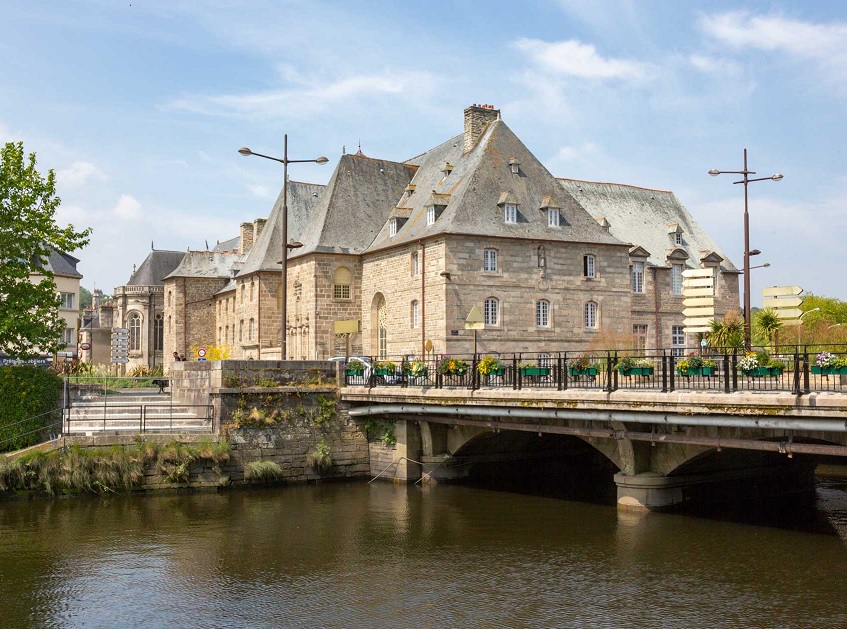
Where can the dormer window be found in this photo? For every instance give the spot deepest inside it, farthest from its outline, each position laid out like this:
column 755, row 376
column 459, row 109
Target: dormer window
column 515, row 166
column 552, row 217
column 677, row 239
column 446, row 169
column 675, row 232
column 430, row 215
column 510, row 213
column 410, row 189
column 392, row 227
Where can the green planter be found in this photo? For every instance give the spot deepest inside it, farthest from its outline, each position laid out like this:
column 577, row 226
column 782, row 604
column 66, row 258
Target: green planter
column 496, row 372
column 638, row 371
column 763, row 371
column 588, row 371
column 535, row 371
column 383, row 372
column 697, row 371
column 421, row 374
column 355, row 372
column 826, row 371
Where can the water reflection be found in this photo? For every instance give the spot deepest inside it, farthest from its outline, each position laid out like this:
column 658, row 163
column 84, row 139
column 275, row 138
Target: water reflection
column 383, row 555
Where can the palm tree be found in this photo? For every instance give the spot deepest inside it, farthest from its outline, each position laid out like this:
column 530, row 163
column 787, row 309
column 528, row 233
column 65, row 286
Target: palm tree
column 768, row 324
column 728, row 332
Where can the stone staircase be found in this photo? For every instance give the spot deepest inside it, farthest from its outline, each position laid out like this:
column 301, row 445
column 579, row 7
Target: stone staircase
column 135, row 412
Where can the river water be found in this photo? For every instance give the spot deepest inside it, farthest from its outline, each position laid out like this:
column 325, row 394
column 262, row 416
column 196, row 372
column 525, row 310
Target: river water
column 384, row 555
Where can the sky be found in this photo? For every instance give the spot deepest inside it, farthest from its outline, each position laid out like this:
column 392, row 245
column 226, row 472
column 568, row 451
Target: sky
column 139, row 107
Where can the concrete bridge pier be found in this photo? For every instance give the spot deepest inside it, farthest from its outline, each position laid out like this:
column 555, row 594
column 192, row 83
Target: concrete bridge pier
column 652, row 491
column 407, row 451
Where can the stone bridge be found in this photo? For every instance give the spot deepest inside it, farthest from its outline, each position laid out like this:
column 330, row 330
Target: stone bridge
column 661, row 448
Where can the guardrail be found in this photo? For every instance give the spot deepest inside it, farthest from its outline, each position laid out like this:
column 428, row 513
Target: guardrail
column 798, row 371
column 141, row 418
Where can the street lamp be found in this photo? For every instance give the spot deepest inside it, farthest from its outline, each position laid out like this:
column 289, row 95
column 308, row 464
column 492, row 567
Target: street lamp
column 246, row 152
column 759, row 266
column 800, row 325
column 747, row 253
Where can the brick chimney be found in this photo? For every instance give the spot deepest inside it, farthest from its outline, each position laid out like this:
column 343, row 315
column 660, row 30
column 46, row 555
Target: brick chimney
column 477, row 118
column 246, row 238
column 258, row 226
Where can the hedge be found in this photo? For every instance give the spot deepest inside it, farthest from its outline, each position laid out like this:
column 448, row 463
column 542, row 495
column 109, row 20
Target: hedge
column 27, row 396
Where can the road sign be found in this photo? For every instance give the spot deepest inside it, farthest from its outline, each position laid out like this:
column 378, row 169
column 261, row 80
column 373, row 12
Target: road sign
column 789, row 313
column 791, row 322
column 782, row 302
column 698, row 273
column 698, row 282
column 120, row 360
column 85, row 345
column 698, row 301
column 201, row 353
column 697, row 322
column 698, row 328
column 705, row 311
column 474, row 320
column 698, row 292
column 120, row 331
column 781, row 291
column 201, row 358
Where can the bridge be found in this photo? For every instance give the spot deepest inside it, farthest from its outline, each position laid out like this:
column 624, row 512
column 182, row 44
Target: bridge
column 664, row 438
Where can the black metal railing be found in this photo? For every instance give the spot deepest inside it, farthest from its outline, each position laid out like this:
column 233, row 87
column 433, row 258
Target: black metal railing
column 792, row 368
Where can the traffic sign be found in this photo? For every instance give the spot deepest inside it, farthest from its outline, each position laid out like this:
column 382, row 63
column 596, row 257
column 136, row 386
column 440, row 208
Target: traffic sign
column 201, row 353
column 698, row 273
column 698, row 292
column 782, row 302
column 698, row 322
column 705, row 311
column 698, row 301
column 789, row 313
column 782, row 291
column 698, row 328
column 120, row 360
column 474, row 320
column 85, row 346
column 698, row 282
column 120, row 330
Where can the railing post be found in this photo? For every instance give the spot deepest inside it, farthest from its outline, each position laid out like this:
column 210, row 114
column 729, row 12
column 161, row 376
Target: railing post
column 565, row 371
column 404, row 377
column 672, row 371
column 609, row 374
column 733, row 365
column 795, row 378
column 559, row 368
column 806, row 387
column 517, row 381
column 664, row 372
column 726, row 372
column 474, row 374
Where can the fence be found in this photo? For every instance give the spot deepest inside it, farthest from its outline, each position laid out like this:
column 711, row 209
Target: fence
column 794, row 369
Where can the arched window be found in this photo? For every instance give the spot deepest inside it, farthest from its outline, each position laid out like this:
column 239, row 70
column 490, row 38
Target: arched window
column 241, row 328
column 220, row 338
column 542, row 313
column 135, row 331
column 341, row 283
column 382, row 335
column 243, row 289
column 414, row 263
column 415, row 314
column 492, row 311
column 591, row 314
column 226, row 334
column 251, row 331
column 252, row 290
column 159, row 332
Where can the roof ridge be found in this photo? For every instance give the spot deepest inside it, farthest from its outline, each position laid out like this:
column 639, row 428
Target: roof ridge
column 612, row 183
column 438, row 146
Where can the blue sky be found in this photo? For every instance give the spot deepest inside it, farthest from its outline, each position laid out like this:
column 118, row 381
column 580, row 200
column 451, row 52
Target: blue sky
column 140, row 107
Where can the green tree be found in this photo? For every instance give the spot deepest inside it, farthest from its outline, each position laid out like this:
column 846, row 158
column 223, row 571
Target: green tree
column 84, row 298
column 29, row 316
column 728, row 333
column 767, row 325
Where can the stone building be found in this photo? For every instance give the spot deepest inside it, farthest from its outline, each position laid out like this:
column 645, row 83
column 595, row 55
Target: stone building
column 403, row 251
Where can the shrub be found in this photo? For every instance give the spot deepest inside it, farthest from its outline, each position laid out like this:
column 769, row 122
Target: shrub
column 27, row 395
column 488, row 365
column 265, row 471
column 417, row 368
column 319, row 458
column 385, row 365
column 452, row 366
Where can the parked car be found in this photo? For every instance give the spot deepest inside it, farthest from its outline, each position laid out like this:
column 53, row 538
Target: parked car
column 395, row 378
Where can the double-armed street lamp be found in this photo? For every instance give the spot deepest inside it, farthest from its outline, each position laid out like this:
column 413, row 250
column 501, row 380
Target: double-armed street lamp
column 747, row 253
column 284, row 229
column 800, row 326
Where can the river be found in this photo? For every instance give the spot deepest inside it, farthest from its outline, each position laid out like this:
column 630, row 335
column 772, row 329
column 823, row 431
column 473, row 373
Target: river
column 384, row 555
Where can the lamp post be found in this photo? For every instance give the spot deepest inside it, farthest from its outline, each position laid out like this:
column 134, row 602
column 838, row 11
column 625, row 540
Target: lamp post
column 800, row 325
column 285, row 244
column 747, row 253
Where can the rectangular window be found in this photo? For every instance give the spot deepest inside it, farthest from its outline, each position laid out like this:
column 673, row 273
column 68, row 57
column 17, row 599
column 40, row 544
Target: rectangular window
column 491, row 311
column 430, row 215
column 489, row 260
column 68, row 336
column 639, row 334
column 542, row 313
column 678, row 340
column 415, row 266
column 715, row 282
column 67, row 301
column 588, row 266
column 637, row 277
column 676, row 279
column 591, row 315
column 416, row 321
column 511, row 213
column 341, row 291
column 392, row 227
column 677, row 239
column 552, row 217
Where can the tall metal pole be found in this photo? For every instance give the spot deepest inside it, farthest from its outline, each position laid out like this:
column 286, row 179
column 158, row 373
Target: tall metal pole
column 747, row 327
column 283, row 353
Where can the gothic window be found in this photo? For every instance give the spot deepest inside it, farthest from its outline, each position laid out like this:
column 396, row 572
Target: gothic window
column 415, row 263
column 415, row 314
column 382, row 334
column 251, row 331
column 135, row 331
column 159, row 333
column 241, row 330
column 252, row 289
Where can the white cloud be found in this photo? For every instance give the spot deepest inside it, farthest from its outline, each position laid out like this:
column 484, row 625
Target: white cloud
column 574, row 58
column 803, row 41
column 78, row 173
column 308, row 98
column 127, row 208
column 715, row 65
column 573, row 153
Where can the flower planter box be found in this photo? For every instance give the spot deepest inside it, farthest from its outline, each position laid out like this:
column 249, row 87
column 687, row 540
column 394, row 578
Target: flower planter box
column 826, row 371
column 638, row 371
column 697, row 371
column 763, row 371
column 384, row 372
column 496, row 372
column 588, row 371
column 420, row 374
column 355, row 372
column 535, row 371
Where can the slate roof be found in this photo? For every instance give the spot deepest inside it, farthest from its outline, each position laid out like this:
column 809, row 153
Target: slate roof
column 233, row 244
column 156, row 266
column 220, row 264
column 479, row 180
column 355, row 205
column 266, row 252
column 645, row 218
column 63, row 264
